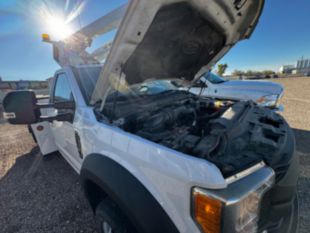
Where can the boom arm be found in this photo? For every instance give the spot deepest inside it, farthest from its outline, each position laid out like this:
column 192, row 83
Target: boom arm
column 72, row 51
column 105, row 24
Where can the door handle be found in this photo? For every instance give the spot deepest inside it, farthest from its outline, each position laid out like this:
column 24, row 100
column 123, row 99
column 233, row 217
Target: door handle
column 78, row 144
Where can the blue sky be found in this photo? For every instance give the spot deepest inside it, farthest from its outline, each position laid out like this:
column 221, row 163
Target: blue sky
column 282, row 36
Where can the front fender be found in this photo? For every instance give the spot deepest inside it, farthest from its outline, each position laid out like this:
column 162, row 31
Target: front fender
column 137, row 203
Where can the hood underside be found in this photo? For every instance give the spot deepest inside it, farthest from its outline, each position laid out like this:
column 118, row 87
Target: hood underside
column 177, row 44
column 163, row 39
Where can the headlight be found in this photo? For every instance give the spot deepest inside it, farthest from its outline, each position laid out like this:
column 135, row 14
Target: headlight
column 249, row 210
column 234, row 209
column 268, row 101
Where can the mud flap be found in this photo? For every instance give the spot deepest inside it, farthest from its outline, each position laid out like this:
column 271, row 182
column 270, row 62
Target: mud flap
column 44, row 136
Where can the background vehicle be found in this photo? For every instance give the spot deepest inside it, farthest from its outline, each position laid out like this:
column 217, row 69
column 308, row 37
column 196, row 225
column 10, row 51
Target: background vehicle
column 166, row 160
column 266, row 94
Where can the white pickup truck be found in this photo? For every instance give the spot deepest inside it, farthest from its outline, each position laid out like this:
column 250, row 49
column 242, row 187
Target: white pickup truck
column 166, row 161
column 264, row 93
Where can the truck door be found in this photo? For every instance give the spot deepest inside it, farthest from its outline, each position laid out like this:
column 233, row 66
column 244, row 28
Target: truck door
column 44, row 137
column 63, row 131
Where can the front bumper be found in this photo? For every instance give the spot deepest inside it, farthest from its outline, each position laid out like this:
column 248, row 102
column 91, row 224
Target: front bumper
column 278, row 208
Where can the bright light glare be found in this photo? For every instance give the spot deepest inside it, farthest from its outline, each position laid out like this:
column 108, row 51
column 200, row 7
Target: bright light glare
column 57, row 27
column 57, row 20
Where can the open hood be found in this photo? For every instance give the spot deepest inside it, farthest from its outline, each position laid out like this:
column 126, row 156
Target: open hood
column 162, row 39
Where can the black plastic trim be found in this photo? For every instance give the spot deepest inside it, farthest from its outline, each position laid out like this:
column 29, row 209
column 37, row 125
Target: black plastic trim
column 137, row 203
column 78, row 144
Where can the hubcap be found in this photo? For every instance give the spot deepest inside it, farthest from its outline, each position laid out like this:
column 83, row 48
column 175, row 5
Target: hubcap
column 106, row 228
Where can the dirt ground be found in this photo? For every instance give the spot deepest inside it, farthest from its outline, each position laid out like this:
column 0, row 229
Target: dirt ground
column 297, row 111
column 43, row 194
column 38, row 194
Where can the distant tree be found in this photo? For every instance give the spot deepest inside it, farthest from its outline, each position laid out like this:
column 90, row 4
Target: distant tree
column 238, row 73
column 268, row 72
column 252, row 73
column 221, row 68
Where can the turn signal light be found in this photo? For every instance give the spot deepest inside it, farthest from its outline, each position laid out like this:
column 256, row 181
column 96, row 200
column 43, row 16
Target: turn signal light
column 207, row 213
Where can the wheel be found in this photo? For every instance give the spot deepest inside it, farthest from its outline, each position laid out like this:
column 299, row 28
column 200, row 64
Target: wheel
column 110, row 219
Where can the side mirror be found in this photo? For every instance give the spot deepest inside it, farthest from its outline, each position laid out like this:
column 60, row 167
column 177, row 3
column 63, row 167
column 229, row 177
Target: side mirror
column 20, row 108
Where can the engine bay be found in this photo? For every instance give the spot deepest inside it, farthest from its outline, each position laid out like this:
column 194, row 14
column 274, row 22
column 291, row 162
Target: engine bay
column 232, row 135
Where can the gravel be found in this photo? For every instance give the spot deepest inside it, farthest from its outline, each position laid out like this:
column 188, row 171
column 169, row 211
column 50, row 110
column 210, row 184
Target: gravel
column 38, row 194
column 297, row 111
column 43, row 194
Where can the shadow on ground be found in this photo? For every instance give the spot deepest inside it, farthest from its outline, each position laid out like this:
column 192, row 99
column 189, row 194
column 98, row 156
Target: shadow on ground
column 303, row 151
column 304, row 204
column 302, row 141
column 43, row 195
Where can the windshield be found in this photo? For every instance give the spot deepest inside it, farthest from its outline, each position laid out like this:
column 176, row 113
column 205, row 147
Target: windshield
column 86, row 78
column 213, row 78
column 153, row 87
column 141, row 90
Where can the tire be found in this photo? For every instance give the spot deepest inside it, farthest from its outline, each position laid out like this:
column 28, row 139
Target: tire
column 110, row 219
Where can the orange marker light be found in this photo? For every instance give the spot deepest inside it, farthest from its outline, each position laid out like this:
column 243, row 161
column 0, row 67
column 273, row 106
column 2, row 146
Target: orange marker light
column 207, row 213
column 46, row 38
column 261, row 100
column 40, row 128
